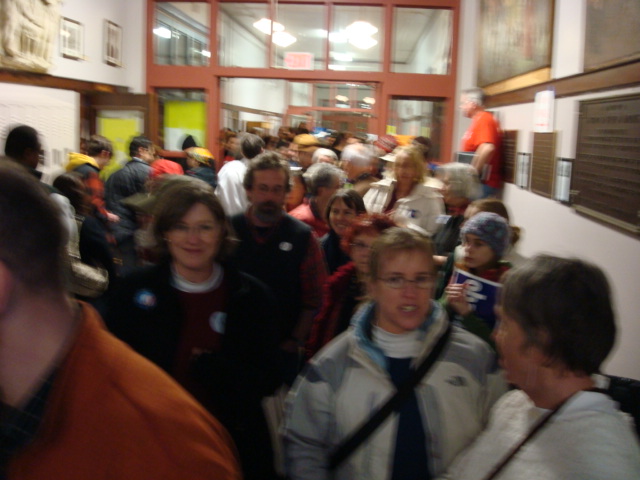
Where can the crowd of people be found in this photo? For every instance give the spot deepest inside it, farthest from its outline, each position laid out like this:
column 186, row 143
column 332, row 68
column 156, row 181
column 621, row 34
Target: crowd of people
column 335, row 308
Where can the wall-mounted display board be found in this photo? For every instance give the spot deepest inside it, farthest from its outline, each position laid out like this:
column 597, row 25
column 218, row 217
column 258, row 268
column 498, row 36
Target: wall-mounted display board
column 509, row 151
column 543, row 163
column 605, row 181
column 523, row 170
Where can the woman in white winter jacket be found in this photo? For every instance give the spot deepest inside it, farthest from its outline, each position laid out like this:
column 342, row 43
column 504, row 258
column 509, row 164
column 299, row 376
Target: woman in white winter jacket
column 404, row 197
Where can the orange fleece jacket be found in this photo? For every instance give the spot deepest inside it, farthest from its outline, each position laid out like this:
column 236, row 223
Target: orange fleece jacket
column 114, row 415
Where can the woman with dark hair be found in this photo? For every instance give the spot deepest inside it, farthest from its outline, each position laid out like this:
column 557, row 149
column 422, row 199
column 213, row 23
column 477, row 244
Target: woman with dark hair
column 346, row 288
column 208, row 325
column 556, row 328
column 93, row 242
column 343, row 207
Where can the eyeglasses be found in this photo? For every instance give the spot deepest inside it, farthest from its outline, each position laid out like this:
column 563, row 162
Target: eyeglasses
column 206, row 230
column 421, row 281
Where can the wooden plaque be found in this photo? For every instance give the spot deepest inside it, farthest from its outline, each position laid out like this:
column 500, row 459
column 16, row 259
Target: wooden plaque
column 509, row 151
column 543, row 163
column 606, row 173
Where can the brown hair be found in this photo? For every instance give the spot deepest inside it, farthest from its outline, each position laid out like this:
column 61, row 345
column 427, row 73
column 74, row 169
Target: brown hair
column 176, row 198
column 398, row 239
column 32, row 236
column 267, row 161
column 350, row 198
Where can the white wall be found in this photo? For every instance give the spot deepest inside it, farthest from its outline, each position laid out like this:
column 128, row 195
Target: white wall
column 52, row 112
column 549, row 226
column 130, row 15
column 56, row 113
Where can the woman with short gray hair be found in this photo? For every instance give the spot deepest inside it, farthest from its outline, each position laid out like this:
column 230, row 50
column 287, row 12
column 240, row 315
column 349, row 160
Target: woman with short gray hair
column 460, row 186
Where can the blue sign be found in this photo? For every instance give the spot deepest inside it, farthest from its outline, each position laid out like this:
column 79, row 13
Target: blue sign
column 481, row 295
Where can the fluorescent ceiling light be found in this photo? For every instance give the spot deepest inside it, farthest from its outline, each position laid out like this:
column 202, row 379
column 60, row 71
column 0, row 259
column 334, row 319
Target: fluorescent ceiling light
column 264, row 25
column 342, row 57
column 337, row 67
column 338, row 37
column 361, row 28
column 283, row 39
column 206, row 53
column 162, row 32
column 363, row 43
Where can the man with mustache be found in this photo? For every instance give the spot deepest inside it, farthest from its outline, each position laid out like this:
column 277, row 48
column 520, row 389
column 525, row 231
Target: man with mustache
column 281, row 251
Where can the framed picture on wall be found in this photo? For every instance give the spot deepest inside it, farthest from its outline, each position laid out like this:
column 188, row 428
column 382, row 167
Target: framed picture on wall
column 71, row 39
column 612, row 35
column 514, row 38
column 112, row 44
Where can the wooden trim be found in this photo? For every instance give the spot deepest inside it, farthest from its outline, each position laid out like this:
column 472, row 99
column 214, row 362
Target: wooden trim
column 619, row 76
column 49, row 81
column 521, row 81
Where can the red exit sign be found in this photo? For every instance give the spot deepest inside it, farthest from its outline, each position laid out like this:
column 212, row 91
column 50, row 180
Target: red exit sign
column 298, row 61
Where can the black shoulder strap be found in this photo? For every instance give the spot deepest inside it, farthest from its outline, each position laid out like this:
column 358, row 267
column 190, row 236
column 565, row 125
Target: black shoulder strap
column 355, row 439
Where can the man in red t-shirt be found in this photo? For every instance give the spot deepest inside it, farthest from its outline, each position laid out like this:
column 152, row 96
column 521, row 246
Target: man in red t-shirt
column 484, row 138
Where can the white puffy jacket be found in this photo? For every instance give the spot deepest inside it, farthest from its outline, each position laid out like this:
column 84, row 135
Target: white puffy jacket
column 421, row 208
column 347, row 380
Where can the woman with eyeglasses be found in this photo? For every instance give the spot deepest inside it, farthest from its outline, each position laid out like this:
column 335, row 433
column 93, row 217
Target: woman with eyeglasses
column 209, row 326
column 355, row 374
column 346, row 288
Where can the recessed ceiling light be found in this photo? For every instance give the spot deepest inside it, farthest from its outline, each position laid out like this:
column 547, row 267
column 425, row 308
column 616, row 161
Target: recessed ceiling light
column 361, row 28
column 264, row 25
column 162, row 32
column 283, row 39
column 363, row 43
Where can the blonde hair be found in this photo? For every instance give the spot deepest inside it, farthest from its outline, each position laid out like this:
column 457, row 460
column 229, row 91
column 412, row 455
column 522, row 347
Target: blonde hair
column 414, row 154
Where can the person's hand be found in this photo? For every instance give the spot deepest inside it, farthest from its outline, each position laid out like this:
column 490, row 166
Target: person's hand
column 112, row 217
column 457, row 298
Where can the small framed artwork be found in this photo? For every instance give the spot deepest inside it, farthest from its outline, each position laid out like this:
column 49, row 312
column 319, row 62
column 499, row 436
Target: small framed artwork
column 71, row 39
column 112, row 44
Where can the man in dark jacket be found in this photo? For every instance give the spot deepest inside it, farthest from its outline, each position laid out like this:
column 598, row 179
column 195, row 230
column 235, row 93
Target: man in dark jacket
column 281, row 251
column 125, row 182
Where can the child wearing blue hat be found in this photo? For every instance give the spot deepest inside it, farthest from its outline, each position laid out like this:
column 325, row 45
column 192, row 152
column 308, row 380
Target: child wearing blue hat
column 471, row 294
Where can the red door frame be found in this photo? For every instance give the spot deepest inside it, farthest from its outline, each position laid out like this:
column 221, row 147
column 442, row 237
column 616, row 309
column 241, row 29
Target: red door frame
column 391, row 84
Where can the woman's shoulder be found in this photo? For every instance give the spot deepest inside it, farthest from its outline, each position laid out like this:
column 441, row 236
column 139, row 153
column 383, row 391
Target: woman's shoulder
column 384, row 184
column 421, row 190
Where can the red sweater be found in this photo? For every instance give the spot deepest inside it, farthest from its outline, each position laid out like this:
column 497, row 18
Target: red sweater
column 114, row 415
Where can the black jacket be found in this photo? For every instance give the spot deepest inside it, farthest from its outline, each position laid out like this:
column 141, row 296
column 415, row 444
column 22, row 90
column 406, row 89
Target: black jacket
column 145, row 311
